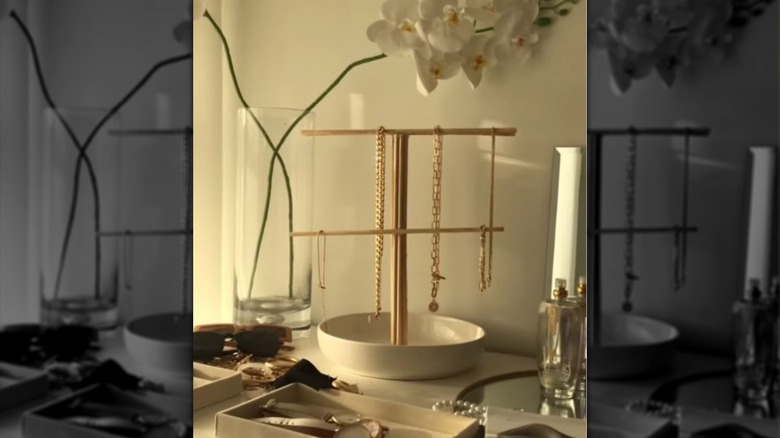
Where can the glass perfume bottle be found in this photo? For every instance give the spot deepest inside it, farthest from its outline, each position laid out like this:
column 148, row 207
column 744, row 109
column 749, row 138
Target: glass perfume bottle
column 580, row 300
column 559, row 343
column 755, row 354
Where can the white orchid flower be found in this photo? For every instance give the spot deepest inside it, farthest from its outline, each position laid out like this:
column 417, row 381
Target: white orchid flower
column 475, row 58
column 446, row 26
column 397, row 32
column 489, row 11
column 515, row 34
column 431, row 69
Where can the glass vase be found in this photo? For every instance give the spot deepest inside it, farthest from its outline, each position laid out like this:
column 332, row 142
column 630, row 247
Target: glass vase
column 273, row 270
column 80, row 210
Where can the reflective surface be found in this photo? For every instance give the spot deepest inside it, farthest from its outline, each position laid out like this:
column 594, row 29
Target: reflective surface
column 521, row 391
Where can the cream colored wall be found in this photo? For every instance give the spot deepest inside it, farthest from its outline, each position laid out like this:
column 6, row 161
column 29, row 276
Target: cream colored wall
column 737, row 100
column 287, row 52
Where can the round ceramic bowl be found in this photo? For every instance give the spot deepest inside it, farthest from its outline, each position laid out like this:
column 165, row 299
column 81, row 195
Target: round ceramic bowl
column 438, row 346
column 162, row 342
column 631, row 346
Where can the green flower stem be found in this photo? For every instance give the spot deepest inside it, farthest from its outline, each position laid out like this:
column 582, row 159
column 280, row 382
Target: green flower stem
column 270, row 171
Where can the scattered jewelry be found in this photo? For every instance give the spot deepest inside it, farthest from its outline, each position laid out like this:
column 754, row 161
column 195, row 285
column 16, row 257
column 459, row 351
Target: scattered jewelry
column 462, row 408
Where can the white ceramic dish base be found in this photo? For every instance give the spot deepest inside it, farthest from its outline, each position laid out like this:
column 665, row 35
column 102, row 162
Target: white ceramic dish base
column 631, row 346
column 162, row 342
column 438, row 346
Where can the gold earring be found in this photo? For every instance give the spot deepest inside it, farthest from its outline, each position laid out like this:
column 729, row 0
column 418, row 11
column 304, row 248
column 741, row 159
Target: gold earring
column 435, row 237
column 379, row 239
column 321, row 273
column 482, row 281
column 492, row 192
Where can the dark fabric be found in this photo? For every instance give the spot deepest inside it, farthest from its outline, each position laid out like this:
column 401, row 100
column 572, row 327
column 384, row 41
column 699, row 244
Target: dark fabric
column 306, row 373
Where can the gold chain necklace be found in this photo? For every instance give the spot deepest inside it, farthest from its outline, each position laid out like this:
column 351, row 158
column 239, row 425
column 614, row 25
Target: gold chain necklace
column 436, row 210
column 379, row 239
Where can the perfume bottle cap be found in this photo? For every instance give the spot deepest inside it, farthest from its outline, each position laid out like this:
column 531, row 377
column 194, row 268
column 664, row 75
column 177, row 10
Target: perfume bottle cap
column 582, row 288
column 560, row 291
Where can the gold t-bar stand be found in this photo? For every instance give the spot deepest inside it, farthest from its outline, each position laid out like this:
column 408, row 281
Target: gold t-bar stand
column 399, row 230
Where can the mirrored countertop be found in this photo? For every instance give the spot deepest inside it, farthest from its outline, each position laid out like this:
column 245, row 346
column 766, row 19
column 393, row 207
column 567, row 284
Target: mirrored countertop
column 521, row 391
column 699, row 385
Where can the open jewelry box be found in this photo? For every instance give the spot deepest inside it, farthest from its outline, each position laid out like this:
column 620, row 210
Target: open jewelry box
column 401, row 420
column 20, row 384
column 213, row 384
column 142, row 415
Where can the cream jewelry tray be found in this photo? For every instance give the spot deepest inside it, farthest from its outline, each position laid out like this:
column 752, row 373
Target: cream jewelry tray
column 20, row 384
column 211, row 385
column 400, row 420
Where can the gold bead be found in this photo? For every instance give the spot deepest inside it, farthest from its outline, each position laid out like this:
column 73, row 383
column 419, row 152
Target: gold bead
column 433, row 307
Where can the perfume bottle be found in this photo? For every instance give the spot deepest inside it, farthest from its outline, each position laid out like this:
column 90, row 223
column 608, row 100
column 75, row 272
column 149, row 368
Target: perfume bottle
column 559, row 343
column 580, row 300
column 774, row 398
column 755, row 351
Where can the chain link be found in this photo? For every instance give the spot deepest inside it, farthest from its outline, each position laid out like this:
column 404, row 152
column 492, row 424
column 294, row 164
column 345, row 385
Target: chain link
column 628, row 254
column 482, row 281
column 436, row 211
column 379, row 239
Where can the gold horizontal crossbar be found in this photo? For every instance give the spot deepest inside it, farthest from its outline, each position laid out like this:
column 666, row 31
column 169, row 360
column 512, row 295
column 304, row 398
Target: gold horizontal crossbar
column 499, row 132
column 391, row 231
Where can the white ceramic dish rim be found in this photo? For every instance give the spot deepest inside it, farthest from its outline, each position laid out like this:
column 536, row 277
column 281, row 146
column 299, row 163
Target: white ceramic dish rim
column 675, row 334
column 478, row 339
column 159, row 342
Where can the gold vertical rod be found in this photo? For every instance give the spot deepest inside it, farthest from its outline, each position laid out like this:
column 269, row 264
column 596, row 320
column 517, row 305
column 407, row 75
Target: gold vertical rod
column 398, row 284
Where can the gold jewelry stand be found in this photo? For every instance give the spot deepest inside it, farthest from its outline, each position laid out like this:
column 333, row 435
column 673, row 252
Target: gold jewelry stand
column 399, row 230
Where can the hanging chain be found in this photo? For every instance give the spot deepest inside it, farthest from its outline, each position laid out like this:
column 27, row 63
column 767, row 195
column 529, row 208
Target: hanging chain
column 379, row 239
column 436, row 211
column 186, row 205
column 492, row 193
column 321, row 272
column 681, row 267
column 676, row 260
column 628, row 254
column 128, row 255
column 482, row 279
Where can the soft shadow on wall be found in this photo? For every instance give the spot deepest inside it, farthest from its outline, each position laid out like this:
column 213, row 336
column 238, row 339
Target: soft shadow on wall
column 545, row 100
column 738, row 99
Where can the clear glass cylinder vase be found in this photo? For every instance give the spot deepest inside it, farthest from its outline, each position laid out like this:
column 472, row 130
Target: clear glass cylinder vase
column 273, row 270
column 79, row 260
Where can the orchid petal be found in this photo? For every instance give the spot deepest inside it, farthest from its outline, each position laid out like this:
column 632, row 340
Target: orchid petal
column 473, row 75
column 482, row 15
column 431, row 9
column 476, row 58
column 377, row 28
column 448, row 37
column 449, row 65
column 620, row 82
column 426, row 81
column 483, row 11
column 396, row 11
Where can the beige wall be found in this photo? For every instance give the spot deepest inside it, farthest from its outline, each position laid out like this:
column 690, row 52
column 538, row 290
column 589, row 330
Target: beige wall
column 737, row 99
column 287, row 52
